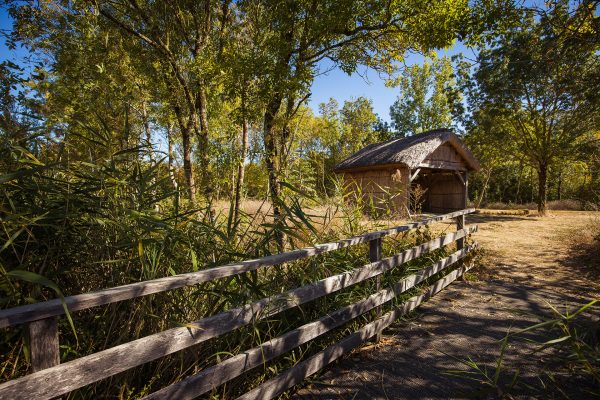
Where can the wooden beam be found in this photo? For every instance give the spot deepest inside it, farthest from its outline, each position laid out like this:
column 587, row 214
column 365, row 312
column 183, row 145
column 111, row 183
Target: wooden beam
column 374, row 256
column 296, row 374
column 441, row 165
column 460, row 177
column 43, row 344
column 466, row 193
column 63, row 378
column 235, row 366
column 460, row 224
column 414, row 175
column 33, row 312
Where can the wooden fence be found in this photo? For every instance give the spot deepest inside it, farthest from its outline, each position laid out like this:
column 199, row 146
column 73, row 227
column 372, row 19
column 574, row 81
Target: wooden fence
column 50, row 379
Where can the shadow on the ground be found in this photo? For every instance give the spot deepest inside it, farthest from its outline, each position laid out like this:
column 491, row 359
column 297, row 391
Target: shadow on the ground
column 487, row 218
column 585, row 259
column 466, row 321
column 469, row 321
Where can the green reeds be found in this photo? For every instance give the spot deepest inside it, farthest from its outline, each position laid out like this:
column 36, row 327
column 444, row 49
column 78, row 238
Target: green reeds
column 87, row 225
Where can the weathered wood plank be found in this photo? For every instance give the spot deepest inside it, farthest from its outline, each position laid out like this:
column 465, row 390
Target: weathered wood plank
column 69, row 376
column 414, row 175
column 32, row 312
column 446, row 152
column 43, row 344
column 443, row 165
column 375, row 255
column 301, row 371
column 466, row 191
column 460, row 243
column 235, row 366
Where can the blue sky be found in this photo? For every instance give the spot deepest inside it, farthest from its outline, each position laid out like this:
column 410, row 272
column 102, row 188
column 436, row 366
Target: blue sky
column 335, row 83
column 366, row 83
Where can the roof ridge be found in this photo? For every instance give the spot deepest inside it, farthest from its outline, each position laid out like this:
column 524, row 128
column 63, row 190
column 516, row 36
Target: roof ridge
column 409, row 150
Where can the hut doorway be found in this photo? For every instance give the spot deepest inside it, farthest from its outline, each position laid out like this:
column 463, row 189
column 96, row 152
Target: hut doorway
column 439, row 191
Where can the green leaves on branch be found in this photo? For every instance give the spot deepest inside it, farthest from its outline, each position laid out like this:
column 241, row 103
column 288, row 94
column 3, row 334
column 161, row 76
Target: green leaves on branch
column 40, row 280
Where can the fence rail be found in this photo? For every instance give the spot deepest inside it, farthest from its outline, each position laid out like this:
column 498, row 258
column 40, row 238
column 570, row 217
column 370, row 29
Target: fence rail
column 51, row 379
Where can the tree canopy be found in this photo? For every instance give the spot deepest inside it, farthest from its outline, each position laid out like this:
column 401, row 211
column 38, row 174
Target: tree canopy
column 428, row 94
column 141, row 139
column 534, row 92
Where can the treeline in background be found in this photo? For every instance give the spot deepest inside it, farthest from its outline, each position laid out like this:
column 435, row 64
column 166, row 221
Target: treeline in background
column 140, row 139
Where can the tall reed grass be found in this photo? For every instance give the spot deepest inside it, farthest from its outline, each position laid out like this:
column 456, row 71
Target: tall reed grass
column 81, row 226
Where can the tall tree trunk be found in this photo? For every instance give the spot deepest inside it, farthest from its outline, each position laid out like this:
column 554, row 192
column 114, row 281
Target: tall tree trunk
column 239, row 184
column 187, row 166
column 485, row 186
column 185, row 129
column 271, row 151
column 517, row 198
column 542, row 186
column 559, row 186
column 147, row 131
column 204, row 149
column 171, row 156
column 148, row 140
column 125, row 140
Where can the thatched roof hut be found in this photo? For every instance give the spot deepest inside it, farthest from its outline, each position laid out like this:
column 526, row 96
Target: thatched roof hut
column 435, row 163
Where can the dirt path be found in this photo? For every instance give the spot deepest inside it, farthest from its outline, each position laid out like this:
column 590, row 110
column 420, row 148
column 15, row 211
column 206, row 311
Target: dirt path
column 526, row 262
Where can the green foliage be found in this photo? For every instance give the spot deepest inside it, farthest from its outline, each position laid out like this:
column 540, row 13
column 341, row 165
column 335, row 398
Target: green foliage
column 359, row 122
column 80, row 226
column 533, row 95
column 133, row 118
column 428, row 95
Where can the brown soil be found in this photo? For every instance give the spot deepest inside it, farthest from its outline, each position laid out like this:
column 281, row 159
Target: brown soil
column 527, row 263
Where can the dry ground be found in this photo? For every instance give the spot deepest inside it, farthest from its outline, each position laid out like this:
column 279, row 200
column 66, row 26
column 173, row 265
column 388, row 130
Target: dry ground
column 526, row 262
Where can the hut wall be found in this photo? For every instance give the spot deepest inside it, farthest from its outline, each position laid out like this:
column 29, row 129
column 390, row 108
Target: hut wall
column 446, row 157
column 386, row 188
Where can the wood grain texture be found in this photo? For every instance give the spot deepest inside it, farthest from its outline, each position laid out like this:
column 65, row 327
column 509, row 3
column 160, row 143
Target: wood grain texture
column 375, row 255
column 32, row 312
column 446, row 153
column 443, row 165
column 69, row 376
column 43, row 344
column 310, row 366
column 235, row 366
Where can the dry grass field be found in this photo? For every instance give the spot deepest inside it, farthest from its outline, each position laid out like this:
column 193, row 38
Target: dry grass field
column 558, row 250
column 517, row 244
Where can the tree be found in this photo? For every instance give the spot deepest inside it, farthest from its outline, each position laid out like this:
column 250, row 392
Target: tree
column 185, row 39
column 330, row 129
column 538, row 89
column 427, row 97
column 299, row 34
column 359, row 124
column 383, row 130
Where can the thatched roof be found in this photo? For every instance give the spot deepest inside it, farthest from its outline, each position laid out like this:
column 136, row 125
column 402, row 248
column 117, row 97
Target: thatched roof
column 409, row 151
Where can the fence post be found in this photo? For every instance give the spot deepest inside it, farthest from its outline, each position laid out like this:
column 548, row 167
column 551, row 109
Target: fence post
column 375, row 255
column 460, row 243
column 43, row 343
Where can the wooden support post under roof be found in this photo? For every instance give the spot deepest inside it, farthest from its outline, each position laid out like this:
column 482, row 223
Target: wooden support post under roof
column 460, row 177
column 466, row 182
column 413, row 176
